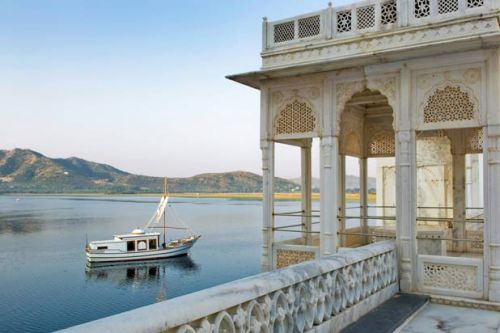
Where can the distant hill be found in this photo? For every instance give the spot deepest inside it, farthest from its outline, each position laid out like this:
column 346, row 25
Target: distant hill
column 27, row 171
column 351, row 183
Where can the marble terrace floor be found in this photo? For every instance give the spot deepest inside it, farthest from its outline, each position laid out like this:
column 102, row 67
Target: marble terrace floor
column 437, row 318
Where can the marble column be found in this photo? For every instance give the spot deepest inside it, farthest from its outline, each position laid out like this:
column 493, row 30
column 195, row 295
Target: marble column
column 491, row 165
column 328, row 203
column 405, row 208
column 267, row 148
column 458, row 168
column 492, row 208
column 306, row 182
column 363, row 196
column 341, row 222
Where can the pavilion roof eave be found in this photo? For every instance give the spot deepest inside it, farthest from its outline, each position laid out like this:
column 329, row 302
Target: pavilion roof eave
column 254, row 79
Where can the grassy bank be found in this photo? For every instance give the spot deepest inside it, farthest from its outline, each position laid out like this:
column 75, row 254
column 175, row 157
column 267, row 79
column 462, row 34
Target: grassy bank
column 295, row 196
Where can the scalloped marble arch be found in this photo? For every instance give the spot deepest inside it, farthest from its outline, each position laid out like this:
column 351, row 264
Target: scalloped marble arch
column 386, row 85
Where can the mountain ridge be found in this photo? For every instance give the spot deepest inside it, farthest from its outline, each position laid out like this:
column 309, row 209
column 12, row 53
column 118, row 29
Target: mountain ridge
column 28, row 171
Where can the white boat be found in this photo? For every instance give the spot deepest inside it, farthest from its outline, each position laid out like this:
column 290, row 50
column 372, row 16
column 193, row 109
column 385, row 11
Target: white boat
column 142, row 244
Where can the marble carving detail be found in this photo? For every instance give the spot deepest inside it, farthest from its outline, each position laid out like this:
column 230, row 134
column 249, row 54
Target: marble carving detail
column 296, row 117
column 450, row 96
column 387, row 86
column 294, row 112
column 382, row 143
column 449, row 276
column 474, row 143
column 301, row 306
column 286, row 258
column 389, row 12
column 448, row 104
column 344, row 92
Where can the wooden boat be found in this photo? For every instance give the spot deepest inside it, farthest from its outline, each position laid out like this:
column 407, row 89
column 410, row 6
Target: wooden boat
column 142, row 244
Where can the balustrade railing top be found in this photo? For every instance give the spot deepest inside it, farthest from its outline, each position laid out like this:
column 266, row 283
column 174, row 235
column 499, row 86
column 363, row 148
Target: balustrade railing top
column 293, row 299
column 366, row 17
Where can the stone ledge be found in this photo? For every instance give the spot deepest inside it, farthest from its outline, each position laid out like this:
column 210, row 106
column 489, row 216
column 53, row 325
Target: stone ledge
column 465, row 303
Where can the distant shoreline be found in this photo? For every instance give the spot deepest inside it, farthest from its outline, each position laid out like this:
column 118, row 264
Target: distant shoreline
column 256, row 196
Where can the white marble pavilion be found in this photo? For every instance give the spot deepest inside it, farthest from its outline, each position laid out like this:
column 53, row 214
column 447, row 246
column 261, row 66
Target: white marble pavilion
column 412, row 82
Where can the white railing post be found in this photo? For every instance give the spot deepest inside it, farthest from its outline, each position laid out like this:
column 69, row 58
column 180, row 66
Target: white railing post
column 265, row 25
column 404, row 12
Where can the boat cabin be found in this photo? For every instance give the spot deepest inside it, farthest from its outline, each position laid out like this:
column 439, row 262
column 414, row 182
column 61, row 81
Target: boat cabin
column 137, row 240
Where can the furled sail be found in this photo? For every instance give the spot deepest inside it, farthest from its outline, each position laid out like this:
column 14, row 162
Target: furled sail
column 161, row 209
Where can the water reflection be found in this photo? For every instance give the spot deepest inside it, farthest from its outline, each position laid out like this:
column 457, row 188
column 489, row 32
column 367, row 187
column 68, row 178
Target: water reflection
column 21, row 223
column 138, row 272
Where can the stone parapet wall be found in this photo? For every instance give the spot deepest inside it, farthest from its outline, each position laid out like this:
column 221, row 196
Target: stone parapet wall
column 322, row 295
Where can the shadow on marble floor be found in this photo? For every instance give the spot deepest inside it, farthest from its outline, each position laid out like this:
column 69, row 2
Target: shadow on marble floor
column 437, row 318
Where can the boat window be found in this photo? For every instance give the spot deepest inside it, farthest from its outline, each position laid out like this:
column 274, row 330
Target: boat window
column 141, row 245
column 152, row 244
column 131, row 246
column 102, row 247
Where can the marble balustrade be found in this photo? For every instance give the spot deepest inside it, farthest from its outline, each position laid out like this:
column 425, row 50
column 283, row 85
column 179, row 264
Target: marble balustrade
column 365, row 17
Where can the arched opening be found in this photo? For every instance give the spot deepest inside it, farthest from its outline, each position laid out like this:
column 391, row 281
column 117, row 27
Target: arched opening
column 293, row 210
column 449, row 212
column 366, row 183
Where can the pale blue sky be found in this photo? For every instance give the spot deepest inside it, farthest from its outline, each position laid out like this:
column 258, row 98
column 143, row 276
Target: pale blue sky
column 138, row 84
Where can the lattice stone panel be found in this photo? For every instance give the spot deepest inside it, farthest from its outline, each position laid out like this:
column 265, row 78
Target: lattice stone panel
column 449, row 276
column 475, row 3
column 286, row 258
column 475, row 246
column 309, row 26
column 389, row 12
column 475, row 139
column 448, row 104
column 295, row 117
column 422, row 8
column 382, row 144
column 284, row 32
column 366, row 17
column 344, row 21
column 447, row 6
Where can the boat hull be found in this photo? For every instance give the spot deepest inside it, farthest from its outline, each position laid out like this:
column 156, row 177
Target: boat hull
column 100, row 257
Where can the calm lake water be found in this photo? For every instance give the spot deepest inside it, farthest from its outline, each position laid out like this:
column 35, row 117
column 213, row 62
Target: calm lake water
column 44, row 284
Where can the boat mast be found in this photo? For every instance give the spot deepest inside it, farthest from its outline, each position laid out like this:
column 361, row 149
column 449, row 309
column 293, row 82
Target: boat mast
column 165, row 191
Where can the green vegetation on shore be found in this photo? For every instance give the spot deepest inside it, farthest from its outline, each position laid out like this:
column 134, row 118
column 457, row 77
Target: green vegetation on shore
column 27, row 171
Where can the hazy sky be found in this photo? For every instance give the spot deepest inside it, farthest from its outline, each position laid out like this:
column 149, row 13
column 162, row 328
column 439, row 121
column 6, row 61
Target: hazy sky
column 138, row 84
